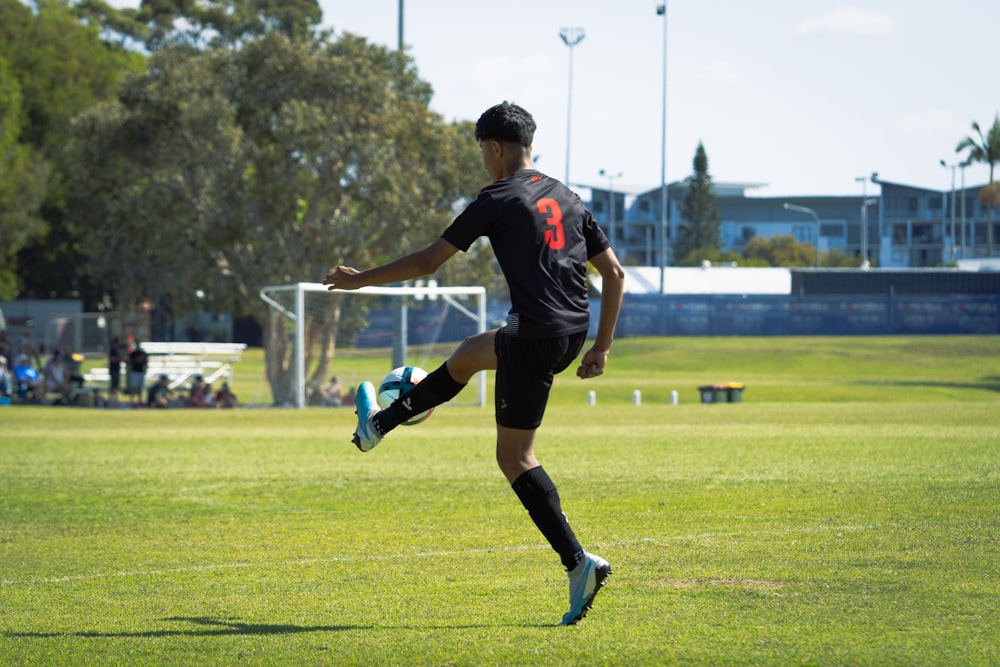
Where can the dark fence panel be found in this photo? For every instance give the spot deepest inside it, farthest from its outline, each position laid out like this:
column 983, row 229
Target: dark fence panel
column 830, row 315
column 886, row 281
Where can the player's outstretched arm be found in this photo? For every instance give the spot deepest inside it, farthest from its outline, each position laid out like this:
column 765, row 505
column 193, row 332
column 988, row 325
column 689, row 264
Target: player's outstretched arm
column 421, row 263
column 612, row 291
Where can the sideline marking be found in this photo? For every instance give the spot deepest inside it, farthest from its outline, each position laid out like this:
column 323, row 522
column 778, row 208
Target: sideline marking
column 420, row 554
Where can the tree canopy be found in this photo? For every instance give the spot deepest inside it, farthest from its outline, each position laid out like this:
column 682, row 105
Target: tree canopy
column 226, row 170
column 53, row 67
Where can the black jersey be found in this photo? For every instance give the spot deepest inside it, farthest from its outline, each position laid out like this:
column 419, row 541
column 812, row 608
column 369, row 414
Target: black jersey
column 542, row 236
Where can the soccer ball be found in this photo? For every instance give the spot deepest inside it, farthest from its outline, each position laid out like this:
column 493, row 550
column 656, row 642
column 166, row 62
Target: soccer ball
column 398, row 382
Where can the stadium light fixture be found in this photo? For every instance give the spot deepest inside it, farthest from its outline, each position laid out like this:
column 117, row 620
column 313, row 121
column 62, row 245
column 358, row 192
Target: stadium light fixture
column 571, row 37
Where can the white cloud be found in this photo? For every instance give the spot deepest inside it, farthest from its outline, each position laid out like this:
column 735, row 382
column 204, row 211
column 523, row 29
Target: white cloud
column 848, row 21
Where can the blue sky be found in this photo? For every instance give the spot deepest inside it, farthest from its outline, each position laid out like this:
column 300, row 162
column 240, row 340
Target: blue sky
column 803, row 96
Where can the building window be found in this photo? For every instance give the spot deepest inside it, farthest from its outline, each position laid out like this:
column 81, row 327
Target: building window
column 644, row 206
column 925, row 233
column 899, row 234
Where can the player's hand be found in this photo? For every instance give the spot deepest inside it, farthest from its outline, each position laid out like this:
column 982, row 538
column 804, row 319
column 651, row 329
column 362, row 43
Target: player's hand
column 343, row 277
column 592, row 364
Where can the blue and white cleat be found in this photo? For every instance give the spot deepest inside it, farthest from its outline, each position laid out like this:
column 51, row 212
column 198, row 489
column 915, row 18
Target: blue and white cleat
column 585, row 580
column 366, row 436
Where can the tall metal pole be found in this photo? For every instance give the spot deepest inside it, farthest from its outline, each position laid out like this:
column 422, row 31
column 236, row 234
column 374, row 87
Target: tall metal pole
column 951, row 215
column 864, row 221
column 965, row 231
column 661, row 10
column 953, row 212
column 611, row 210
column 400, row 38
column 571, row 37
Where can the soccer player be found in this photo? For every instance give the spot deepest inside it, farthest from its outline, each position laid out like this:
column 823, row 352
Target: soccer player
column 542, row 237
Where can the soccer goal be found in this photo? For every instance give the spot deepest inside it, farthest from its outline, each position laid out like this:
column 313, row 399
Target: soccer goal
column 306, row 317
column 84, row 333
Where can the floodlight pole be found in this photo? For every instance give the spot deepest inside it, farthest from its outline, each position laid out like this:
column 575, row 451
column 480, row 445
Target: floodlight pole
column 661, row 10
column 571, row 37
column 400, row 28
column 952, row 214
column 965, row 229
column 611, row 199
column 865, row 264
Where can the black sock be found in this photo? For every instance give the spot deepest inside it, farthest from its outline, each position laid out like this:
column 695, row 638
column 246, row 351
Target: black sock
column 437, row 388
column 539, row 496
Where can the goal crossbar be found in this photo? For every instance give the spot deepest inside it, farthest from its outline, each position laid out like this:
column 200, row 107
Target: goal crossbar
column 423, row 291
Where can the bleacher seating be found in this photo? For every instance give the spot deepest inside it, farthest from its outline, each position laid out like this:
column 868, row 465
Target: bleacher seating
column 180, row 362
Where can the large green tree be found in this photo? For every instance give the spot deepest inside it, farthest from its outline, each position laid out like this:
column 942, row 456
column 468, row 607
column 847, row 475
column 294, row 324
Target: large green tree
column 227, row 170
column 58, row 67
column 700, row 229
column 23, row 179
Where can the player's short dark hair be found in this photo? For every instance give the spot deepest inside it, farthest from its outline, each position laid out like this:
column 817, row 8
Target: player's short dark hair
column 506, row 122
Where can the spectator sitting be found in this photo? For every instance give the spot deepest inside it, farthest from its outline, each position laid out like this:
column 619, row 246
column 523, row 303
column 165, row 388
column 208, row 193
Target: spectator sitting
column 201, row 393
column 160, row 395
column 330, row 394
column 5, row 347
column 5, row 381
column 57, row 377
column 30, row 385
column 224, row 398
column 26, row 345
column 74, row 369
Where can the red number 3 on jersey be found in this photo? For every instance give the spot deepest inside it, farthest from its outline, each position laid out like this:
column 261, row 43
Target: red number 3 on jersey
column 554, row 236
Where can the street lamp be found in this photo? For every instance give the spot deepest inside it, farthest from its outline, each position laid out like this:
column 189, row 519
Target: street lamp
column 611, row 198
column 661, row 10
column 965, row 228
column 807, row 211
column 571, row 37
column 865, row 203
column 952, row 215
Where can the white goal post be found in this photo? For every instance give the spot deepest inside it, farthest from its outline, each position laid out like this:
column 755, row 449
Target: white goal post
column 296, row 314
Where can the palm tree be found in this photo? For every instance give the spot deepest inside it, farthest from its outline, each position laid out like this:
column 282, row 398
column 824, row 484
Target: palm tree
column 984, row 149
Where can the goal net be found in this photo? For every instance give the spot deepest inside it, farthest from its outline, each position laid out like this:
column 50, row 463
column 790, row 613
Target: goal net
column 314, row 333
column 83, row 333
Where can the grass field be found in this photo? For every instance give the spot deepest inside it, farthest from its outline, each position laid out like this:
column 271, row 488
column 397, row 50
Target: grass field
column 845, row 513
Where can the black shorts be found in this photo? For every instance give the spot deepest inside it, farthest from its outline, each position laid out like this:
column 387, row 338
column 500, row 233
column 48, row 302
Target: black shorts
column 525, row 368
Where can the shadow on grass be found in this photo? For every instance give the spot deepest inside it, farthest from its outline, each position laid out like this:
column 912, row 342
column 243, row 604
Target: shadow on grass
column 221, row 628
column 210, row 628
column 988, row 383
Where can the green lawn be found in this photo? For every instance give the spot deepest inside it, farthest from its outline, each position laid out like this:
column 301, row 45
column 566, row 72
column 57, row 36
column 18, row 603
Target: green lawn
column 844, row 513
